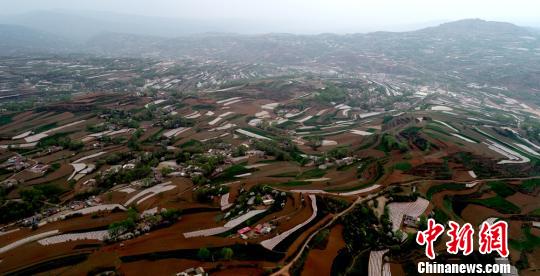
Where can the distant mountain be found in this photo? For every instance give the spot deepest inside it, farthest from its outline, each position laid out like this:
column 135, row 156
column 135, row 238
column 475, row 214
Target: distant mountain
column 127, row 45
column 470, row 50
column 534, row 30
column 465, row 37
column 472, row 27
column 16, row 40
column 129, row 36
column 81, row 26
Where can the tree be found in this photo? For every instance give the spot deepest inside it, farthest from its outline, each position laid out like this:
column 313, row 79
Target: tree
column 399, row 235
column 34, row 197
column 132, row 214
column 203, row 253
column 422, row 224
column 239, row 151
column 113, row 159
column 75, row 145
column 321, row 237
column 133, row 144
column 120, row 227
column 258, row 199
column 171, row 214
column 72, row 183
column 314, row 142
column 338, row 153
column 166, row 170
column 198, row 179
column 226, row 253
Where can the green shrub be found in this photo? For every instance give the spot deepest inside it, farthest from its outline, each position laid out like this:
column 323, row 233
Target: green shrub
column 499, row 204
column 501, row 188
column 443, row 187
column 530, row 185
column 403, row 166
column 313, row 173
column 226, row 253
column 203, row 253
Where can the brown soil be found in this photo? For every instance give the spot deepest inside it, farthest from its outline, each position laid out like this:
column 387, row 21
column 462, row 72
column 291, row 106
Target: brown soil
column 527, row 203
column 319, row 261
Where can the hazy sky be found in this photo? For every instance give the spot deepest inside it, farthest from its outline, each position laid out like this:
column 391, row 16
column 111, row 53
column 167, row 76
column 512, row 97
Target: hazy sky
column 307, row 15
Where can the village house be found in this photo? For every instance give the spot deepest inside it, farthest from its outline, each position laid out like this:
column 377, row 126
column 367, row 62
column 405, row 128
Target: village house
column 39, row 168
column 77, row 205
column 256, row 153
column 113, row 169
column 410, row 221
column 17, row 162
column 9, row 183
column 199, row 271
column 128, row 166
column 268, row 200
column 244, row 230
column 345, row 161
column 89, row 183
